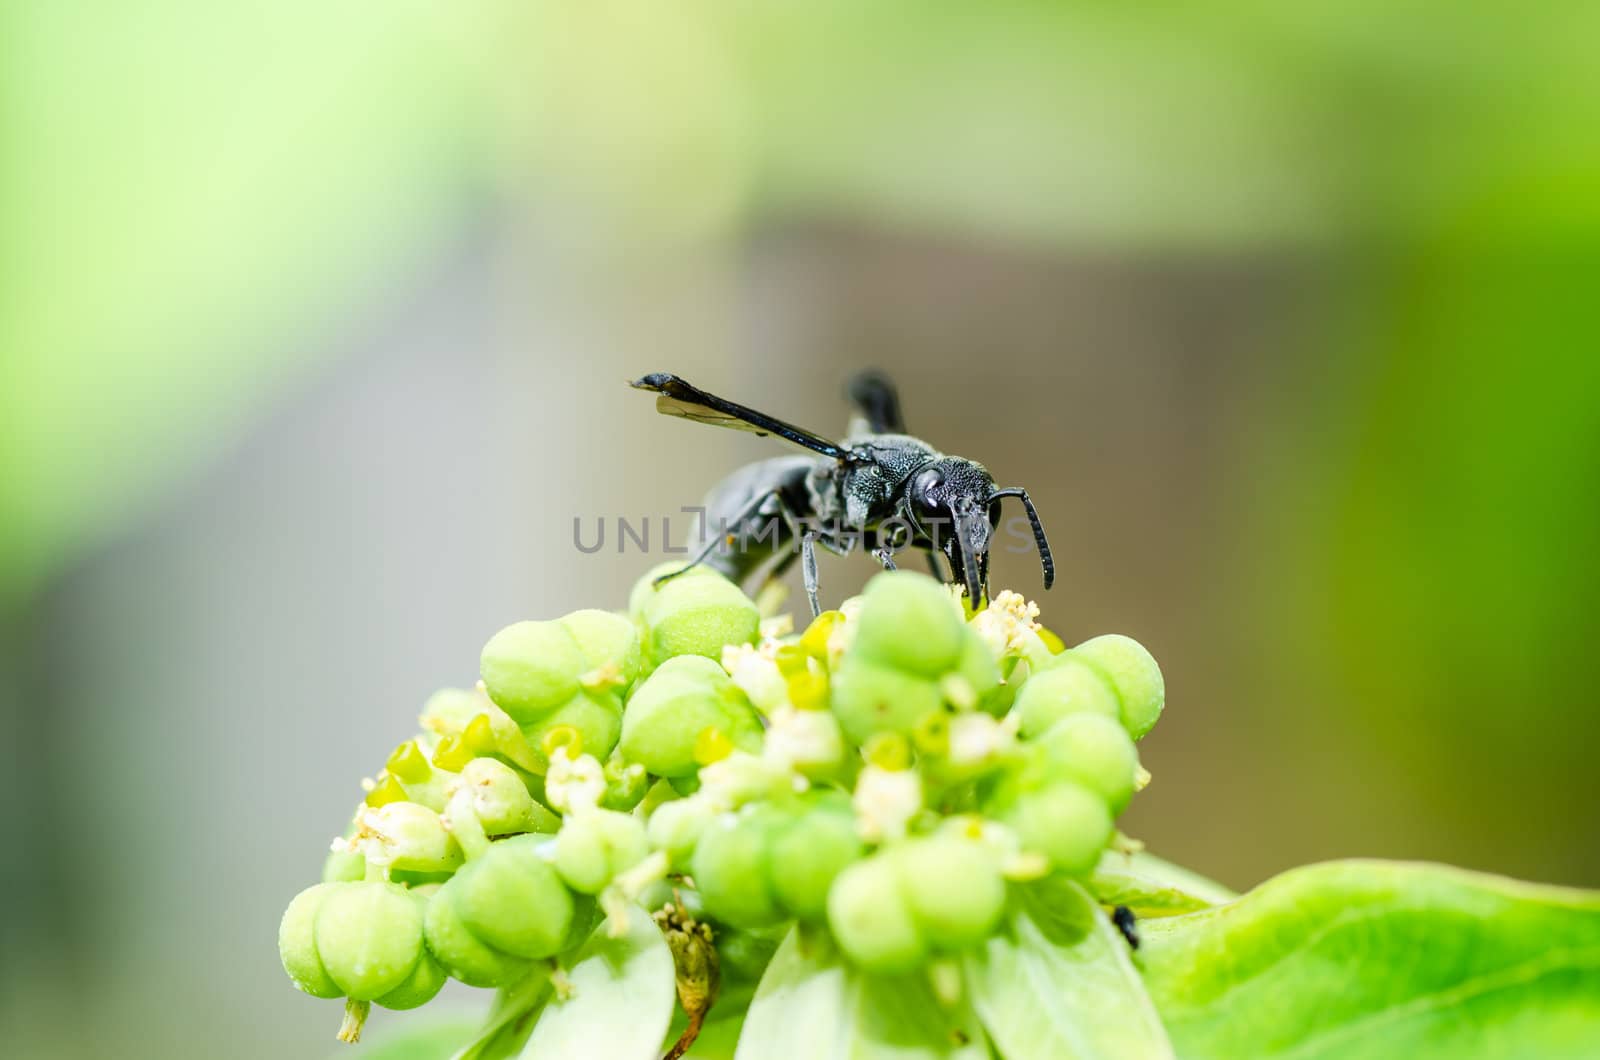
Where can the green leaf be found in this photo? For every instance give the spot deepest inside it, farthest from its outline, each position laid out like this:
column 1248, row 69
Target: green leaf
column 1152, row 887
column 436, row 1040
column 1377, row 959
column 515, row 1008
column 810, row 1006
column 901, row 1018
column 800, row 1009
column 1059, row 985
column 624, row 990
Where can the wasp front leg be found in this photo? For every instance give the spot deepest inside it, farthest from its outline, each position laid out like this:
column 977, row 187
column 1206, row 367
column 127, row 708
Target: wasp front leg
column 809, row 538
column 808, row 569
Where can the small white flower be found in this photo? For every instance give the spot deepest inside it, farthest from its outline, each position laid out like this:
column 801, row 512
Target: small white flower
column 622, row 894
column 885, row 801
column 574, row 784
column 757, row 675
column 802, row 739
column 395, row 830
column 1006, row 624
column 1015, row 863
column 844, row 632
column 1126, row 844
column 739, row 778
column 977, row 738
column 777, row 626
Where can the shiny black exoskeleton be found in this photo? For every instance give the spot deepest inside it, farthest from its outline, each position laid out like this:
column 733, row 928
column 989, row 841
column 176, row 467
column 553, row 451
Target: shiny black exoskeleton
column 880, row 489
column 1124, row 920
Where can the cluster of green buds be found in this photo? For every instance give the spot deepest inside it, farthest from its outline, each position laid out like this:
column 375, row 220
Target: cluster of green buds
column 877, row 782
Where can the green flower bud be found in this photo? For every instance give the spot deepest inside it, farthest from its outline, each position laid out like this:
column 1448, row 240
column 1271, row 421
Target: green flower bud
column 730, row 869
column 369, row 937
column 1067, row 823
column 954, row 888
column 408, row 769
column 909, row 622
column 464, row 955
column 414, row 880
column 1094, row 751
column 676, row 826
column 530, row 668
column 870, row 697
column 297, row 942
column 1133, row 672
column 645, row 589
column 501, row 800
column 594, row 718
column 610, row 646
column 979, row 671
column 592, row 848
column 660, row 892
column 1071, row 686
column 675, row 707
column 344, row 865
column 426, row 980
column 626, row 784
column 871, row 919
column 454, row 713
column 698, row 616
column 512, row 900
column 807, row 854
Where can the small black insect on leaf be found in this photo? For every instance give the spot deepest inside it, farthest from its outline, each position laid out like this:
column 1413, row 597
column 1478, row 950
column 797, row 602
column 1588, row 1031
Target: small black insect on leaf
column 1124, row 919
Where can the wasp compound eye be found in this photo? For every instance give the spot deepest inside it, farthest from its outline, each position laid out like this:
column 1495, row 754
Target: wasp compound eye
column 926, row 493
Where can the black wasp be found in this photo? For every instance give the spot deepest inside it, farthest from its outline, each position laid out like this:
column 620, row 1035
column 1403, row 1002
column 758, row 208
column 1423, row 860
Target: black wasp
column 880, row 488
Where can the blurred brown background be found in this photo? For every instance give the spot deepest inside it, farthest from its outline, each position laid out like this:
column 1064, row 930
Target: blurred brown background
column 313, row 335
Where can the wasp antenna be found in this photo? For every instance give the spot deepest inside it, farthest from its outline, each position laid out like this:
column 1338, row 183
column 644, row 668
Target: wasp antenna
column 1039, row 540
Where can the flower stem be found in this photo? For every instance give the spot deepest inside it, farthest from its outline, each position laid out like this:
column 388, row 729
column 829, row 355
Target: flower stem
column 355, row 1017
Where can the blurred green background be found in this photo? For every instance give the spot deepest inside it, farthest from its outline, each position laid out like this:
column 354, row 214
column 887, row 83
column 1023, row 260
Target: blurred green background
column 314, row 322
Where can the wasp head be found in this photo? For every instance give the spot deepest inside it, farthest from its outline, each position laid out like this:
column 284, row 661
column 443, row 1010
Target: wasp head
column 949, row 504
column 955, row 507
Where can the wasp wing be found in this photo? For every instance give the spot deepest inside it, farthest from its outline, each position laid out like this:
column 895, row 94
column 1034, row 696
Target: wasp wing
column 877, row 403
column 675, row 397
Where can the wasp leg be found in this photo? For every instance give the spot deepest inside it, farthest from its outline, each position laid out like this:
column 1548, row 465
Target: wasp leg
column 714, row 542
column 809, row 540
column 808, row 569
column 933, row 565
column 885, row 557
